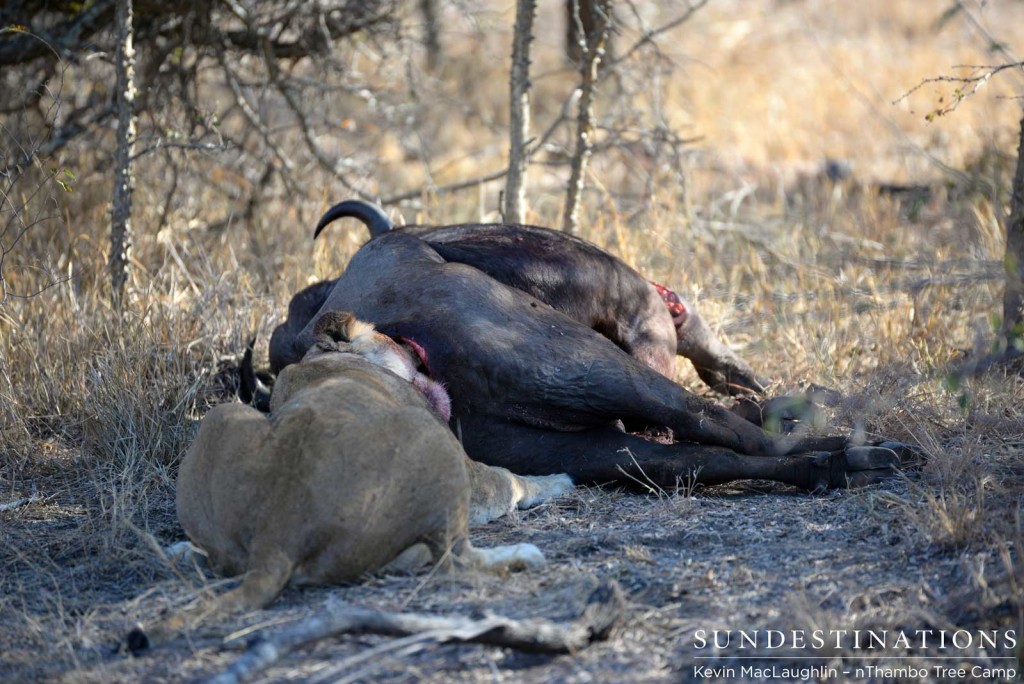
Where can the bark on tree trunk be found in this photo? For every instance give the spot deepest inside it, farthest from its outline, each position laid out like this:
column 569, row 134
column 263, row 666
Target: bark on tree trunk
column 519, row 84
column 1013, row 297
column 124, row 182
column 581, row 22
column 431, row 33
column 585, row 126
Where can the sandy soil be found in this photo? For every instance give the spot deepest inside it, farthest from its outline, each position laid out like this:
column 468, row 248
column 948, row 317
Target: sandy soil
column 753, row 558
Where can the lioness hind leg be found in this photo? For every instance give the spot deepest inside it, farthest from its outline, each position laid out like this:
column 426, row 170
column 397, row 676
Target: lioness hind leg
column 259, row 587
column 510, row 557
column 461, row 554
column 414, row 557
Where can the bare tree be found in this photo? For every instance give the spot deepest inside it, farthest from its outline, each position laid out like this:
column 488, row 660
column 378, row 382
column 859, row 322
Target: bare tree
column 1013, row 296
column 28, row 190
column 24, row 208
column 582, row 20
column 279, row 82
column 178, row 41
column 124, row 182
column 592, row 47
column 431, row 33
column 519, row 115
column 1011, row 333
column 631, row 71
column 180, row 52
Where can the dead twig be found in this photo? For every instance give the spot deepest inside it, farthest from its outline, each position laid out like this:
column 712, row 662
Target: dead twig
column 532, row 147
column 969, row 84
column 648, row 36
column 162, row 144
column 603, row 611
column 444, row 189
column 248, row 112
column 332, row 166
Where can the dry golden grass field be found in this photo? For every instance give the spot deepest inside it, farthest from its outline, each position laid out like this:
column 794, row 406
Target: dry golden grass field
column 713, row 180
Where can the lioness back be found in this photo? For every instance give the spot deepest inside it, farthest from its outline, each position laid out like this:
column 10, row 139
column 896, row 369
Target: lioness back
column 342, row 478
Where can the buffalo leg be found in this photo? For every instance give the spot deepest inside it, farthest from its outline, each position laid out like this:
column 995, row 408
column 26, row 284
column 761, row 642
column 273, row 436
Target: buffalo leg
column 637, row 394
column 606, row 455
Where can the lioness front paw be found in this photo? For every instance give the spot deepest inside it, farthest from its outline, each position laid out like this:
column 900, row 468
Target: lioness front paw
column 544, row 487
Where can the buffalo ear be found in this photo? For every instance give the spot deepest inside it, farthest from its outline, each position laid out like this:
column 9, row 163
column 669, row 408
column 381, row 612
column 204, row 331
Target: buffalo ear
column 335, row 325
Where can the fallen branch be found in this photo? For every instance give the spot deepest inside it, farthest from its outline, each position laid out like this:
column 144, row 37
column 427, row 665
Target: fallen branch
column 18, row 503
column 603, row 610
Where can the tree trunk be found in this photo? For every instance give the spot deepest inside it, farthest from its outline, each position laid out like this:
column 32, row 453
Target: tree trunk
column 519, row 118
column 581, row 22
column 1013, row 297
column 585, row 126
column 124, row 182
column 431, row 33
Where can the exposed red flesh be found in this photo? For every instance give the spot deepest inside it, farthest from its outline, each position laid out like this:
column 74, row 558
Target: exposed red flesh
column 676, row 307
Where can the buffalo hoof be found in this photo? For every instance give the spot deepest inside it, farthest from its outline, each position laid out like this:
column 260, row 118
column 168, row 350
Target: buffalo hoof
column 855, row 467
column 910, row 455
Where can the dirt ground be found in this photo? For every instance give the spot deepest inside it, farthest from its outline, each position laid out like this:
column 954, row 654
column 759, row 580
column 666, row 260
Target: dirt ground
column 754, row 558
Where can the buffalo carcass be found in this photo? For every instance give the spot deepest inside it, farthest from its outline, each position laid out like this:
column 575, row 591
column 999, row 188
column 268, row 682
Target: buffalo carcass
column 539, row 393
column 646, row 320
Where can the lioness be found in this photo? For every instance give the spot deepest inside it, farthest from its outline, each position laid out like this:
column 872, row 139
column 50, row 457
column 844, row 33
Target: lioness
column 354, row 466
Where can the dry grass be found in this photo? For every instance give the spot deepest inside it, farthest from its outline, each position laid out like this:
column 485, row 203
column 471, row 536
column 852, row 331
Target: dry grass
column 811, row 280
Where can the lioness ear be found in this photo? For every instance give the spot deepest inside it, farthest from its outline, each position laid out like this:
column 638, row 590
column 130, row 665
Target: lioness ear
column 336, row 325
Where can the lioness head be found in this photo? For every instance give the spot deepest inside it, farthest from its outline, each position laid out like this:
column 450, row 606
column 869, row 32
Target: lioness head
column 342, row 332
